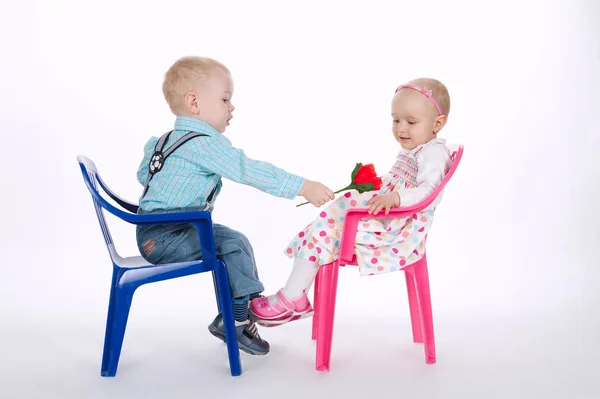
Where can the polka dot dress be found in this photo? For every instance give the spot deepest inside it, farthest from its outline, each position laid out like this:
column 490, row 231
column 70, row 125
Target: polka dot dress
column 382, row 245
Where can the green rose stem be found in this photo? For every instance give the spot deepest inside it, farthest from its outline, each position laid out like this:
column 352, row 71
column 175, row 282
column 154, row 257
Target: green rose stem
column 361, row 188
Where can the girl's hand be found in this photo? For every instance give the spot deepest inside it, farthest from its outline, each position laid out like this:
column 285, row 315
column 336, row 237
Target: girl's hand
column 387, row 201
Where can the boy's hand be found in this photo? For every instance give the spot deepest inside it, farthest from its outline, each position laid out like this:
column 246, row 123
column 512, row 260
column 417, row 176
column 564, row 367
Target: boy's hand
column 387, row 201
column 316, row 193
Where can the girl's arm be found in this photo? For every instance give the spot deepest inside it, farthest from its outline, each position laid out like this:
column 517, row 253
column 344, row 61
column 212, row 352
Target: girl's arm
column 434, row 161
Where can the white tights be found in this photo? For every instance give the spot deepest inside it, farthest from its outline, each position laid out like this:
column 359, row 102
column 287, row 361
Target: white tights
column 301, row 278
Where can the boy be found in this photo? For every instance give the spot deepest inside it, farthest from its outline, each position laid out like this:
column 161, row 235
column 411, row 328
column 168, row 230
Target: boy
column 198, row 91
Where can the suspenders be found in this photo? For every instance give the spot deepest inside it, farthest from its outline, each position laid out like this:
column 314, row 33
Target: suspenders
column 159, row 157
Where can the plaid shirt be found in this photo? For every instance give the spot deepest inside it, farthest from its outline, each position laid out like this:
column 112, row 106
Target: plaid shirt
column 192, row 171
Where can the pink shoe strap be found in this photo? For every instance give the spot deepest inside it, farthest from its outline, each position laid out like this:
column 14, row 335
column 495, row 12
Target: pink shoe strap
column 287, row 304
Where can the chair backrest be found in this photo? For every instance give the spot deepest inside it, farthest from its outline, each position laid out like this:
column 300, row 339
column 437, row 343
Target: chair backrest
column 93, row 180
column 456, row 157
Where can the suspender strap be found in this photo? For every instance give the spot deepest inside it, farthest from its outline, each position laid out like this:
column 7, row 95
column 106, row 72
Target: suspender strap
column 159, row 157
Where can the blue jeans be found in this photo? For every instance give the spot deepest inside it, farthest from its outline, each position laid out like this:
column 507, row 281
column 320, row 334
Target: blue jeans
column 181, row 243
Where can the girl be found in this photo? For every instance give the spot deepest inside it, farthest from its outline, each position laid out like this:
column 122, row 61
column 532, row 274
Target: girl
column 419, row 111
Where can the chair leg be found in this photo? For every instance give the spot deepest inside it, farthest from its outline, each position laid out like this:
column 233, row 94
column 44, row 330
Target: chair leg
column 327, row 293
column 116, row 323
column 424, row 297
column 226, row 305
column 216, row 285
column 316, row 310
column 413, row 303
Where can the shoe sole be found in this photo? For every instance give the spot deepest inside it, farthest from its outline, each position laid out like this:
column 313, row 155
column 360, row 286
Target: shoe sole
column 217, row 333
column 281, row 321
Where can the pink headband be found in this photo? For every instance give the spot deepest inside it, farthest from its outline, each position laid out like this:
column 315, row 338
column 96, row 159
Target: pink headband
column 423, row 90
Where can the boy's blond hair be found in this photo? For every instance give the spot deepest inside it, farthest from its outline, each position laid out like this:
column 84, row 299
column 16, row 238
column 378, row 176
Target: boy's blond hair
column 439, row 91
column 184, row 76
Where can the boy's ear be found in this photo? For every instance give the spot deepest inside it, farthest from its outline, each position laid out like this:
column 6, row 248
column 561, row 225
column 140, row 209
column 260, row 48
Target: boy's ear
column 191, row 103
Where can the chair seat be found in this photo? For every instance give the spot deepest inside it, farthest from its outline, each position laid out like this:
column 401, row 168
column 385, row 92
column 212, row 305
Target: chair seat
column 127, row 262
column 134, row 262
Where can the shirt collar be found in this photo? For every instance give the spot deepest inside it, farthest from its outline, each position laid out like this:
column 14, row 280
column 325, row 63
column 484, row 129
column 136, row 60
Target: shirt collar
column 188, row 124
column 437, row 140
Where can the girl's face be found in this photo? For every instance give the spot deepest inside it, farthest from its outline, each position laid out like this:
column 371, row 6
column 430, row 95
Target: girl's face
column 415, row 119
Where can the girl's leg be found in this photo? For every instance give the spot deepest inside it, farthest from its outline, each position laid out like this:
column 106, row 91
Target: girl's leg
column 300, row 280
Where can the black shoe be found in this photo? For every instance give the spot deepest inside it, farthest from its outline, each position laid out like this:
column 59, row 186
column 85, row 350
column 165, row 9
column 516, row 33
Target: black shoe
column 247, row 336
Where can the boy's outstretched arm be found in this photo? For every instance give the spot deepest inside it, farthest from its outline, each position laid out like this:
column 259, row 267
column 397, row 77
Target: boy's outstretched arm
column 217, row 155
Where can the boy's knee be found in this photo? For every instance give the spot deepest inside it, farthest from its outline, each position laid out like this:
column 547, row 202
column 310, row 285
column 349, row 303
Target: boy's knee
column 229, row 241
column 243, row 242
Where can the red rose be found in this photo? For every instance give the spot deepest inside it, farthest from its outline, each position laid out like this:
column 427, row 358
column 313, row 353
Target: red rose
column 365, row 174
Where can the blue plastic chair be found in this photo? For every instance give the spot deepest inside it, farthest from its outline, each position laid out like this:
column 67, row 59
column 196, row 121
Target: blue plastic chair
column 133, row 272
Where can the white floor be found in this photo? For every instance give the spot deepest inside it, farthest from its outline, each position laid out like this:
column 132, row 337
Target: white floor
column 543, row 352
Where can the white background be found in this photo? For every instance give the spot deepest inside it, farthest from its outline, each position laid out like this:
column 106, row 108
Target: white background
column 513, row 252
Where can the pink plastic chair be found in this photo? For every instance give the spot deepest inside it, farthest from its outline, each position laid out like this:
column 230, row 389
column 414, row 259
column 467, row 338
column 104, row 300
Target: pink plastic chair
column 417, row 281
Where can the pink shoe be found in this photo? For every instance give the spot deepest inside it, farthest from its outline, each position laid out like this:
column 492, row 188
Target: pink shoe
column 282, row 311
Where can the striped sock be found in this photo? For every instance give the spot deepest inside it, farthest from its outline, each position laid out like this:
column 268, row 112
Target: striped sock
column 240, row 308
